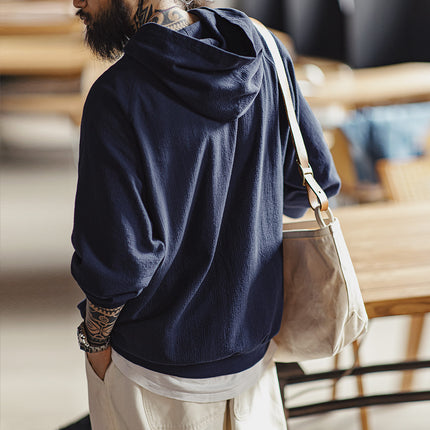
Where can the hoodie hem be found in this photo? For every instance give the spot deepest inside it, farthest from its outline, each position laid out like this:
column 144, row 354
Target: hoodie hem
column 234, row 364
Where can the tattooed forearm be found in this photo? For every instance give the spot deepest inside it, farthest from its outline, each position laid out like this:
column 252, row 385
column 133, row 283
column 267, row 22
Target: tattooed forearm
column 99, row 323
column 143, row 14
column 174, row 18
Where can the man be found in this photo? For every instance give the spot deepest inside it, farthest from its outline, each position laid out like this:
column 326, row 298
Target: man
column 185, row 170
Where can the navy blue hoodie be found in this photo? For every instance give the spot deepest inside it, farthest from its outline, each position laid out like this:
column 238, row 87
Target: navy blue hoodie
column 185, row 169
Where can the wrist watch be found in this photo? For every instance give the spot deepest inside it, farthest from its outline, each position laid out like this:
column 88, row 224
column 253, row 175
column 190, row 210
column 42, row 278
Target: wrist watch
column 85, row 345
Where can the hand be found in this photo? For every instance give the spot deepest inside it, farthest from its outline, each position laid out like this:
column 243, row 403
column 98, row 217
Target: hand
column 100, row 361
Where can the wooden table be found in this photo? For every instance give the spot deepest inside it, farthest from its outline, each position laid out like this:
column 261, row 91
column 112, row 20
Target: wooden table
column 43, row 55
column 399, row 83
column 44, row 40
column 37, row 17
column 389, row 245
column 41, row 38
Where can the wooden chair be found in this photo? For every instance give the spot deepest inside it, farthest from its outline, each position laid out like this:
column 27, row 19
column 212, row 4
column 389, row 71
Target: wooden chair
column 352, row 188
column 405, row 180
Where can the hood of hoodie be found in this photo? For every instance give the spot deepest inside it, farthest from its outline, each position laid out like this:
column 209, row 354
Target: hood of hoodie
column 214, row 66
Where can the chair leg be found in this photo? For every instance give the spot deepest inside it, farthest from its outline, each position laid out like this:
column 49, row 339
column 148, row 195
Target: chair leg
column 415, row 331
column 360, row 388
column 335, row 367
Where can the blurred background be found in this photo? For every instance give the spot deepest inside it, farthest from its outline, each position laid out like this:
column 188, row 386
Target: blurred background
column 363, row 66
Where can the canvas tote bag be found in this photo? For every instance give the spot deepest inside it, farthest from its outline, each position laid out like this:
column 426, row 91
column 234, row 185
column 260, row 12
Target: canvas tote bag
column 323, row 306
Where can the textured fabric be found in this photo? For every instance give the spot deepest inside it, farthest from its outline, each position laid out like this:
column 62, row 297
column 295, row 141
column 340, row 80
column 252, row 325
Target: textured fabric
column 194, row 390
column 323, row 306
column 185, row 169
column 117, row 403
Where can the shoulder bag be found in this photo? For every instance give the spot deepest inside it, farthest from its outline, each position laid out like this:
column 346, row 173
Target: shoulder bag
column 323, row 306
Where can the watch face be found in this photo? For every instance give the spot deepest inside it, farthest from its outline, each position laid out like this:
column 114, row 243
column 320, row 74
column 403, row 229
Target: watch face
column 82, row 338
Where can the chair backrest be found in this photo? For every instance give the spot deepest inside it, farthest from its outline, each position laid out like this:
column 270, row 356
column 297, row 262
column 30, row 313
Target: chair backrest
column 405, row 180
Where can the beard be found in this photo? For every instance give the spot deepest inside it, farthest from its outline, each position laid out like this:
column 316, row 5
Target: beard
column 109, row 31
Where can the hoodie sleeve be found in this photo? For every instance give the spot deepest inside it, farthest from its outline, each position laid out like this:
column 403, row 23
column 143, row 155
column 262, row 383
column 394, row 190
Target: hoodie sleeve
column 295, row 196
column 116, row 252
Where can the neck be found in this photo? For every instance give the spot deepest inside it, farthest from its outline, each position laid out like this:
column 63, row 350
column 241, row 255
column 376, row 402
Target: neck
column 168, row 13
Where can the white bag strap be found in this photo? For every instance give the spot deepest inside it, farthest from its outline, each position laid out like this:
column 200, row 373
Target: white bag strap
column 316, row 195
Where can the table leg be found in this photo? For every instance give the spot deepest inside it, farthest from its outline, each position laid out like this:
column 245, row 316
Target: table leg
column 335, row 367
column 359, row 379
column 415, row 331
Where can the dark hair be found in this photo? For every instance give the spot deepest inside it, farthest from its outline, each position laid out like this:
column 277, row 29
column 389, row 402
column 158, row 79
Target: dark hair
column 192, row 4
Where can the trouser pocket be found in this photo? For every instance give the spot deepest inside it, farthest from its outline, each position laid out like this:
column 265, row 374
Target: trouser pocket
column 260, row 407
column 99, row 400
column 165, row 413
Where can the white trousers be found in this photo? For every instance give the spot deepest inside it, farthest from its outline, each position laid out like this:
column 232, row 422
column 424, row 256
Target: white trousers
column 117, row 403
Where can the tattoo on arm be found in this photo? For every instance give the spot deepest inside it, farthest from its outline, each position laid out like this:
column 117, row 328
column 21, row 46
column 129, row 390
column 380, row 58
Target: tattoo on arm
column 99, row 322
